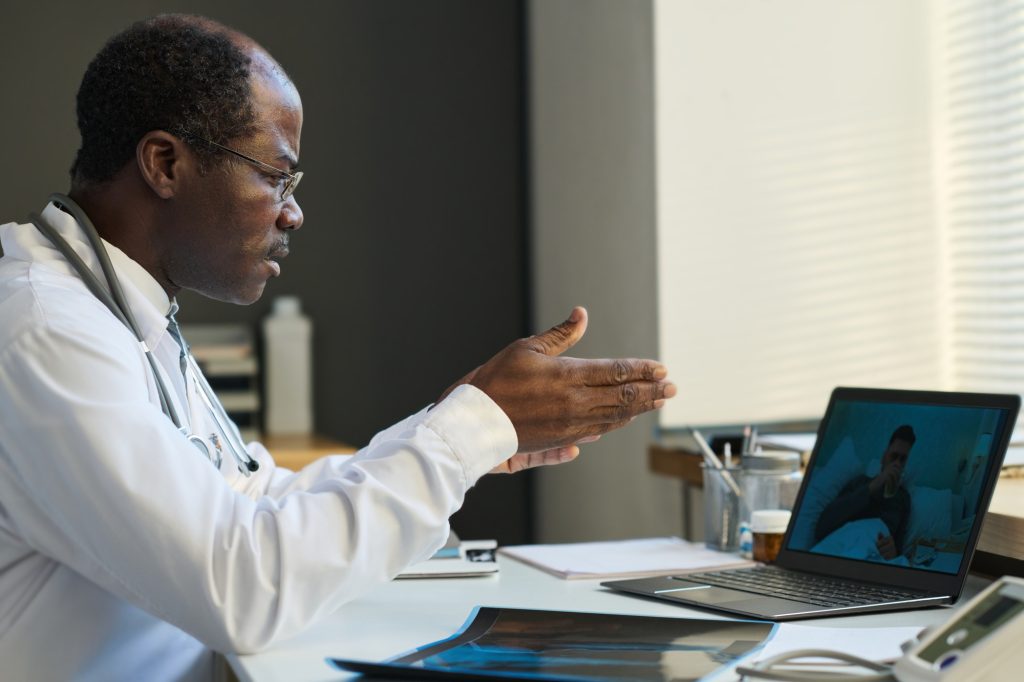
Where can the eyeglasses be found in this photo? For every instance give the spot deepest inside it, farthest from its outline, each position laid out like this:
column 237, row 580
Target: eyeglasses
column 291, row 179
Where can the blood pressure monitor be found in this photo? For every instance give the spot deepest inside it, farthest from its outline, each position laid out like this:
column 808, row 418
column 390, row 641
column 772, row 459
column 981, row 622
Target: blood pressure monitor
column 984, row 640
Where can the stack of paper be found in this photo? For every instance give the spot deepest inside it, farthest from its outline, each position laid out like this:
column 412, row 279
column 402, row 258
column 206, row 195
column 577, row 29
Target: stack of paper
column 623, row 558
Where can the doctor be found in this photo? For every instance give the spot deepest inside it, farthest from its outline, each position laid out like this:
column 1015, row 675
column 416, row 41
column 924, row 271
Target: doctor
column 126, row 554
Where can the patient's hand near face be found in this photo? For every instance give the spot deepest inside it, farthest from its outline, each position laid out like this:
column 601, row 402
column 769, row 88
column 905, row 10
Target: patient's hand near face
column 886, row 546
column 887, row 482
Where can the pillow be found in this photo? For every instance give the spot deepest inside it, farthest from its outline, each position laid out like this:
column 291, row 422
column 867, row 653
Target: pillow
column 929, row 514
column 824, row 487
column 956, row 508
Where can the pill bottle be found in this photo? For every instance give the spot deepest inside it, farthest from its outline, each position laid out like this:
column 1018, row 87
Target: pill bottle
column 768, row 527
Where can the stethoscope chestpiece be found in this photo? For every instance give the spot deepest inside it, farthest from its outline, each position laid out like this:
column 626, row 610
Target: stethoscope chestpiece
column 211, row 453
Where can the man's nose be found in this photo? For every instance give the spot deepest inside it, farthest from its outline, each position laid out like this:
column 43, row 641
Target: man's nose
column 290, row 217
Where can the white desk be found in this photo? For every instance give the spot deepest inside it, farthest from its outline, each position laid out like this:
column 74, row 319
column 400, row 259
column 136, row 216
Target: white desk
column 406, row 614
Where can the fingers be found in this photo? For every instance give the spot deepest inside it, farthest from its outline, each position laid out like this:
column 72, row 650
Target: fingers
column 599, row 410
column 529, row 460
column 615, row 371
column 618, row 403
column 561, row 337
column 554, row 456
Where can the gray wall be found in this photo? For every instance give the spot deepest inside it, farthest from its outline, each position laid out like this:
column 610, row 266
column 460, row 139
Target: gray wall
column 412, row 259
column 593, row 243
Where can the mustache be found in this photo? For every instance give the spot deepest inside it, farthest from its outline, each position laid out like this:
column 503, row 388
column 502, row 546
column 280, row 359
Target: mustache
column 279, row 250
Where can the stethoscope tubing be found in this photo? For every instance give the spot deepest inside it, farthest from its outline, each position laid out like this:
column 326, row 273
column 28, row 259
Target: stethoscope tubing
column 113, row 298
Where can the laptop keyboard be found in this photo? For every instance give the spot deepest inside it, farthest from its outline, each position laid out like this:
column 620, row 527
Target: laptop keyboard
column 804, row 587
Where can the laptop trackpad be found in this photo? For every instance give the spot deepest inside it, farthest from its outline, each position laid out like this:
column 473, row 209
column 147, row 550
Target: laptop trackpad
column 737, row 601
column 700, row 593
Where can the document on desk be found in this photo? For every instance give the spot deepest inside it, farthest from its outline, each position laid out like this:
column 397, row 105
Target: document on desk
column 875, row 644
column 623, row 558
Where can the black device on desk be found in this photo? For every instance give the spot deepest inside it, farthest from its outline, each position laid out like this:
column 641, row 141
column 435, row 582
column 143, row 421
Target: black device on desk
column 887, row 517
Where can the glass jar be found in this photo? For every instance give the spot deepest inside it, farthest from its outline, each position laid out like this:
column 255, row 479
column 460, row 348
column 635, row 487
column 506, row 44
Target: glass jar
column 770, row 480
column 721, row 510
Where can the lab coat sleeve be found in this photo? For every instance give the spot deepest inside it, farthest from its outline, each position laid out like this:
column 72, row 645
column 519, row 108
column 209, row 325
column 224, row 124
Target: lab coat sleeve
column 95, row 476
column 276, row 481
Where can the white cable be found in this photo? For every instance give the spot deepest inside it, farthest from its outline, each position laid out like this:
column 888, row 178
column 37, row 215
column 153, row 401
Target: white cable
column 774, row 668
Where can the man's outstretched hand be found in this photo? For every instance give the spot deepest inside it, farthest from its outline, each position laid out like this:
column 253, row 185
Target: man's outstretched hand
column 556, row 402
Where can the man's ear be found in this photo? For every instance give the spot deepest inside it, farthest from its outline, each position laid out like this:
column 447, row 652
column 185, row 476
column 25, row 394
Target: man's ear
column 161, row 158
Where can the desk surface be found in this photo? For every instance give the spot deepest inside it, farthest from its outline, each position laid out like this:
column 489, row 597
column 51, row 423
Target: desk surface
column 406, row 614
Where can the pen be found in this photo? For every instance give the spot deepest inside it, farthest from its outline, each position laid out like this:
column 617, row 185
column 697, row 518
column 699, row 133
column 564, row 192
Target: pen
column 712, row 460
column 745, row 448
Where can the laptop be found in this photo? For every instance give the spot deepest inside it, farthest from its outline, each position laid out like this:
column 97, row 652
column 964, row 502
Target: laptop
column 887, row 516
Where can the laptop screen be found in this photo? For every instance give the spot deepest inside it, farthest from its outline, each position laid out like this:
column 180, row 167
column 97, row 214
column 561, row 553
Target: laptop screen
column 898, row 484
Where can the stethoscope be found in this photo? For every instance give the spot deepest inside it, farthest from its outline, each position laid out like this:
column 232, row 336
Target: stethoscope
column 114, row 300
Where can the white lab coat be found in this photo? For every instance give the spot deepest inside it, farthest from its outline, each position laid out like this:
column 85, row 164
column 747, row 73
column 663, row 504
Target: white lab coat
column 124, row 554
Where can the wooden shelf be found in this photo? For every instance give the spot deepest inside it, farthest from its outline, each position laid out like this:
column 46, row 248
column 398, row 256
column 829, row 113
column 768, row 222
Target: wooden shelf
column 676, row 462
column 1003, row 532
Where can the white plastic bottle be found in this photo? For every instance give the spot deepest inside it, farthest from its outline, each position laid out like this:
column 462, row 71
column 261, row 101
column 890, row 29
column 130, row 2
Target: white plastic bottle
column 288, row 366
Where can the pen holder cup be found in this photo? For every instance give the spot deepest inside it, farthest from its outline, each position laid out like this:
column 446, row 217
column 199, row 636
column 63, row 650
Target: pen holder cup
column 721, row 510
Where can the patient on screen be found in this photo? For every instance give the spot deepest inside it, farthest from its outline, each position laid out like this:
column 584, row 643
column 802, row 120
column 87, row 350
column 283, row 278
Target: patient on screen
column 882, row 496
column 896, row 484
